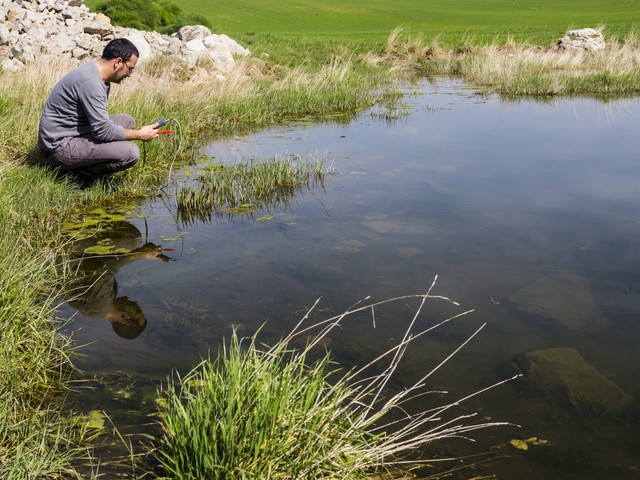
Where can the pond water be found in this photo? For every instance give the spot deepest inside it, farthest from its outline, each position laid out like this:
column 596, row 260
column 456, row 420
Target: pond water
column 527, row 211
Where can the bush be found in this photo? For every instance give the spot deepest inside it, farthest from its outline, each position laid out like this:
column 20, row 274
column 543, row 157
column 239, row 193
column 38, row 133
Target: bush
column 182, row 20
column 161, row 16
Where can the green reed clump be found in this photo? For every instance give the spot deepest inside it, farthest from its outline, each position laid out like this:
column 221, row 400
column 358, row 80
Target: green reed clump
column 248, row 186
column 273, row 412
column 258, row 414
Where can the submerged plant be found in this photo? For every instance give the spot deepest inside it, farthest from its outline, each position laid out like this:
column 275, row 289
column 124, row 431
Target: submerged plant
column 265, row 413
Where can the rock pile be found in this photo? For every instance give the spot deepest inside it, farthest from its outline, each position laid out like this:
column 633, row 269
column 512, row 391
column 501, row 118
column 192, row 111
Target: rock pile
column 583, row 39
column 31, row 29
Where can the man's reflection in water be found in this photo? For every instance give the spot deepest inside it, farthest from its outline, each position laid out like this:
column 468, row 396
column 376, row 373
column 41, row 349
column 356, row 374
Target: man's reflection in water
column 94, row 291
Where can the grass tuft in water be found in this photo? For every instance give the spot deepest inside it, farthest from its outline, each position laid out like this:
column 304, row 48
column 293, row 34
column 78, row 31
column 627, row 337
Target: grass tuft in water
column 260, row 412
column 245, row 187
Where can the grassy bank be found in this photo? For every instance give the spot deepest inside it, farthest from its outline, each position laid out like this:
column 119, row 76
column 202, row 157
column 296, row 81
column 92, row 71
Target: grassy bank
column 35, row 440
column 522, row 69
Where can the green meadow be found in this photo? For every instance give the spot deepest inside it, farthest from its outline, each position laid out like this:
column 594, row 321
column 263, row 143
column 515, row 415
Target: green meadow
column 537, row 21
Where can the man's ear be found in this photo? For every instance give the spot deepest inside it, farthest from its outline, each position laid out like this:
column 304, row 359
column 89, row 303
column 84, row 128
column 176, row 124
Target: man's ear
column 126, row 319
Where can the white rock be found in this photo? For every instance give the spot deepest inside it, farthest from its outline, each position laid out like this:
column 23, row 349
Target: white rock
column 75, row 30
column 24, row 24
column 137, row 38
column 31, row 28
column 102, row 18
column 86, row 41
column 5, row 35
column 583, row 39
column 15, row 14
column 38, row 34
column 222, row 59
column 193, row 32
column 11, row 64
column 60, row 43
column 35, row 17
column 80, row 54
column 97, row 28
column 193, row 50
column 25, row 51
column 234, row 47
column 72, row 12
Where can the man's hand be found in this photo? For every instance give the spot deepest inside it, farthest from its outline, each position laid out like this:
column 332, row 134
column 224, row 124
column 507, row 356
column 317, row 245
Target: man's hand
column 149, row 132
column 146, row 133
column 152, row 252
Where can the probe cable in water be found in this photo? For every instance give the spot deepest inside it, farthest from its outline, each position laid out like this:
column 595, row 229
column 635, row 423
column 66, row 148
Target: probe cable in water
column 160, row 123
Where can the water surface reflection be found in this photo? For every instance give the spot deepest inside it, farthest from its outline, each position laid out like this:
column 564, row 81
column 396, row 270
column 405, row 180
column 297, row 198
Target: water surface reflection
column 528, row 212
column 93, row 291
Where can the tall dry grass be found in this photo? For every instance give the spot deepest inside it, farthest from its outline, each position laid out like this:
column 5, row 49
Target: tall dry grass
column 521, row 70
column 512, row 68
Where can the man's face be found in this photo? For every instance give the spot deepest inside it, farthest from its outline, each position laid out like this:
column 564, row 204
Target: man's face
column 123, row 69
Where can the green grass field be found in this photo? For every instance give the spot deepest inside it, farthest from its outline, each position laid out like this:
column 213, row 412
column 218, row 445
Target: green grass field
column 537, row 21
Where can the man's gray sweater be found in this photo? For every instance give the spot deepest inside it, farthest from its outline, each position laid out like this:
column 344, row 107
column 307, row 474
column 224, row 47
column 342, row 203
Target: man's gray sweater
column 77, row 106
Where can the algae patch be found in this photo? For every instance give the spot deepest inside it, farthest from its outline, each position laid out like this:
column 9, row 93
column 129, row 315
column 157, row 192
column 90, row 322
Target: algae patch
column 86, row 224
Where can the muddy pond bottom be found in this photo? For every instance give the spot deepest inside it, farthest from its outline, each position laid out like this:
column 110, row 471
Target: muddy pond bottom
column 528, row 213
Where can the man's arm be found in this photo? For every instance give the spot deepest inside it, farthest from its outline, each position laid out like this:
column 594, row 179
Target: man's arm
column 93, row 97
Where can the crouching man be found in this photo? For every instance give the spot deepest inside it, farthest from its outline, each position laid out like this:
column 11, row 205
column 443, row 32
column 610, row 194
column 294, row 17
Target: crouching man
column 76, row 133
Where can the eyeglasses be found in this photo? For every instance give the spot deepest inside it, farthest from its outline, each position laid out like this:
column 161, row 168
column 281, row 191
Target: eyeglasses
column 128, row 67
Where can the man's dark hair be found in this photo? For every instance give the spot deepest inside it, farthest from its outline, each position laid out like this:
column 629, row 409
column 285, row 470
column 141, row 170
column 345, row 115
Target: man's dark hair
column 120, row 48
column 133, row 320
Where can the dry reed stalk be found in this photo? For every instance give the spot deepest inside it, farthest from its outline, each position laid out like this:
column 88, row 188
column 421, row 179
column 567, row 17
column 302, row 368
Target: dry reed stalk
column 413, row 431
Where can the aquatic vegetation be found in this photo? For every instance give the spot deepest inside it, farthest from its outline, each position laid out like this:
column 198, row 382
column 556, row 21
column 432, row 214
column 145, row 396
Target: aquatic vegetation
column 243, row 188
column 105, row 250
column 94, row 420
column 524, row 444
column 86, row 224
column 274, row 412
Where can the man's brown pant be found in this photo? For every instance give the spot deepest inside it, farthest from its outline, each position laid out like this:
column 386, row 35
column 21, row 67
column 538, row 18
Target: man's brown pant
column 91, row 158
